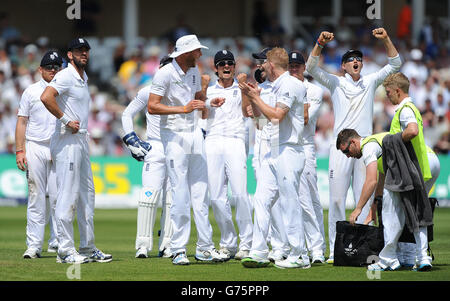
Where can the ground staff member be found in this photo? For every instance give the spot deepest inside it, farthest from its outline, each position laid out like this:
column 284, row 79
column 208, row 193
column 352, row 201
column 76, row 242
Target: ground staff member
column 370, row 150
column 67, row 98
column 34, row 128
column 352, row 96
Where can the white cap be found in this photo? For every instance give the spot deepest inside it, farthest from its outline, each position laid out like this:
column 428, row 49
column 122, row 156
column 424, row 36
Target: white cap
column 416, row 54
column 186, row 44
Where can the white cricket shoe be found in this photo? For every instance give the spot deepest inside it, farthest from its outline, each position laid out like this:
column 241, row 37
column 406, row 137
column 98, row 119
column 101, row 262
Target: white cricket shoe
column 226, row 253
column 97, row 256
column 180, row 259
column 330, row 260
column 52, row 248
column 318, row 259
column 31, row 253
column 72, row 257
column 142, row 253
column 276, row 255
column 242, row 254
column 289, row 264
column 211, row 256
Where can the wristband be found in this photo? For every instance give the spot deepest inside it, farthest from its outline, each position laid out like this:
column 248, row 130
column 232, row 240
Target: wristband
column 64, row 119
column 318, row 44
column 19, row 151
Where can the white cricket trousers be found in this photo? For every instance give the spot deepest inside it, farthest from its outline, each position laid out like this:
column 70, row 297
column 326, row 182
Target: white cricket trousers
column 310, row 203
column 278, row 181
column 186, row 167
column 76, row 192
column 227, row 162
column 342, row 172
column 154, row 176
column 407, row 251
column 394, row 217
column 40, row 176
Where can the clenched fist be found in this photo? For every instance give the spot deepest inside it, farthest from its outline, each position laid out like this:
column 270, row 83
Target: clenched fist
column 326, row 37
column 380, row 33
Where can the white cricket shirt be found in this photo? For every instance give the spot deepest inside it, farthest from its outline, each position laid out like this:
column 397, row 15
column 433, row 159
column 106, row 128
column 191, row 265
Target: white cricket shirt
column 227, row 120
column 177, row 89
column 352, row 101
column 314, row 98
column 371, row 152
column 41, row 123
column 291, row 92
column 74, row 98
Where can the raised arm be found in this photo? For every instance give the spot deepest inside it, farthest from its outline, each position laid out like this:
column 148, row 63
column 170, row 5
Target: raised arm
column 328, row 80
column 394, row 61
column 381, row 34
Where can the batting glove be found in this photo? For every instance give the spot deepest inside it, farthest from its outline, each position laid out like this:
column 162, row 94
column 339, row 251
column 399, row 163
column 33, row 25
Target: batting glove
column 137, row 147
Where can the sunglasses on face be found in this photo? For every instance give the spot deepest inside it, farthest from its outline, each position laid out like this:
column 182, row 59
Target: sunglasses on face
column 223, row 63
column 52, row 67
column 347, row 149
column 350, row 59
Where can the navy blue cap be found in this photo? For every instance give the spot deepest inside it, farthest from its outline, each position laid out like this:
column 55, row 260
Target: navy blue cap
column 51, row 58
column 78, row 43
column 262, row 55
column 351, row 53
column 296, row 57
column 223, row 55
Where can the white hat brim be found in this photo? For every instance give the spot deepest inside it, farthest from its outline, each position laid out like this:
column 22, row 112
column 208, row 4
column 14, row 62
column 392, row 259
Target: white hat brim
column 178, row 53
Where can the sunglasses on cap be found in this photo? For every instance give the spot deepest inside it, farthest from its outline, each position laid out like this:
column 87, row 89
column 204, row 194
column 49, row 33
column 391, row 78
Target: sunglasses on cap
column 52, row 67
column 223, row 63
column 350, row 59
column 347, row 149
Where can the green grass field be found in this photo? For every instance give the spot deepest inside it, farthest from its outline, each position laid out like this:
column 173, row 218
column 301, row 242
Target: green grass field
column 115, row 234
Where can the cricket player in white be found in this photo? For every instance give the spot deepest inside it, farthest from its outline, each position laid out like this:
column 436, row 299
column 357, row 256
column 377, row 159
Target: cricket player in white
column 67, row 98
column 352, row 96
column 176, row 94
column 281, row 169
column 34, row 128
column 154, row 177
column 309, row 194
column 277, row 235
column 227, row 159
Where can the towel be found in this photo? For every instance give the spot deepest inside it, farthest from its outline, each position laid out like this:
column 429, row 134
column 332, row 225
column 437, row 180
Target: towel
column 403, row 175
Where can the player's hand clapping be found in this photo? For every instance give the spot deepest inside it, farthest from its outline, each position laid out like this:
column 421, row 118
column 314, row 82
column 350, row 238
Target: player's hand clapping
column 250, row 90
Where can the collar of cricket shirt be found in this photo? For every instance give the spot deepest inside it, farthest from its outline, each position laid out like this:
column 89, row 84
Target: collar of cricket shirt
column 76, row 74
column 357, row 83
column 402, row 103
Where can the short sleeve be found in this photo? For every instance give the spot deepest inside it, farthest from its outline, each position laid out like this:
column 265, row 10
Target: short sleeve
column 159, row 83
column 371, row 152
column 24, row 105
column 406, row 117
column 61, row 83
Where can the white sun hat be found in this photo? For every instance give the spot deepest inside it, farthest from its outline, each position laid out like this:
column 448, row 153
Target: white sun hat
column 186, row 44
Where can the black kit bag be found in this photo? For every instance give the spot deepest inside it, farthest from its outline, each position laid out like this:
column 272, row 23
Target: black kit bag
column 356, row 245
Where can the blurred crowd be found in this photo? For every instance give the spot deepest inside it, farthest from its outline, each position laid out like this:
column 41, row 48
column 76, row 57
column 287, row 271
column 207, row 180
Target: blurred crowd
column 117, row 71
